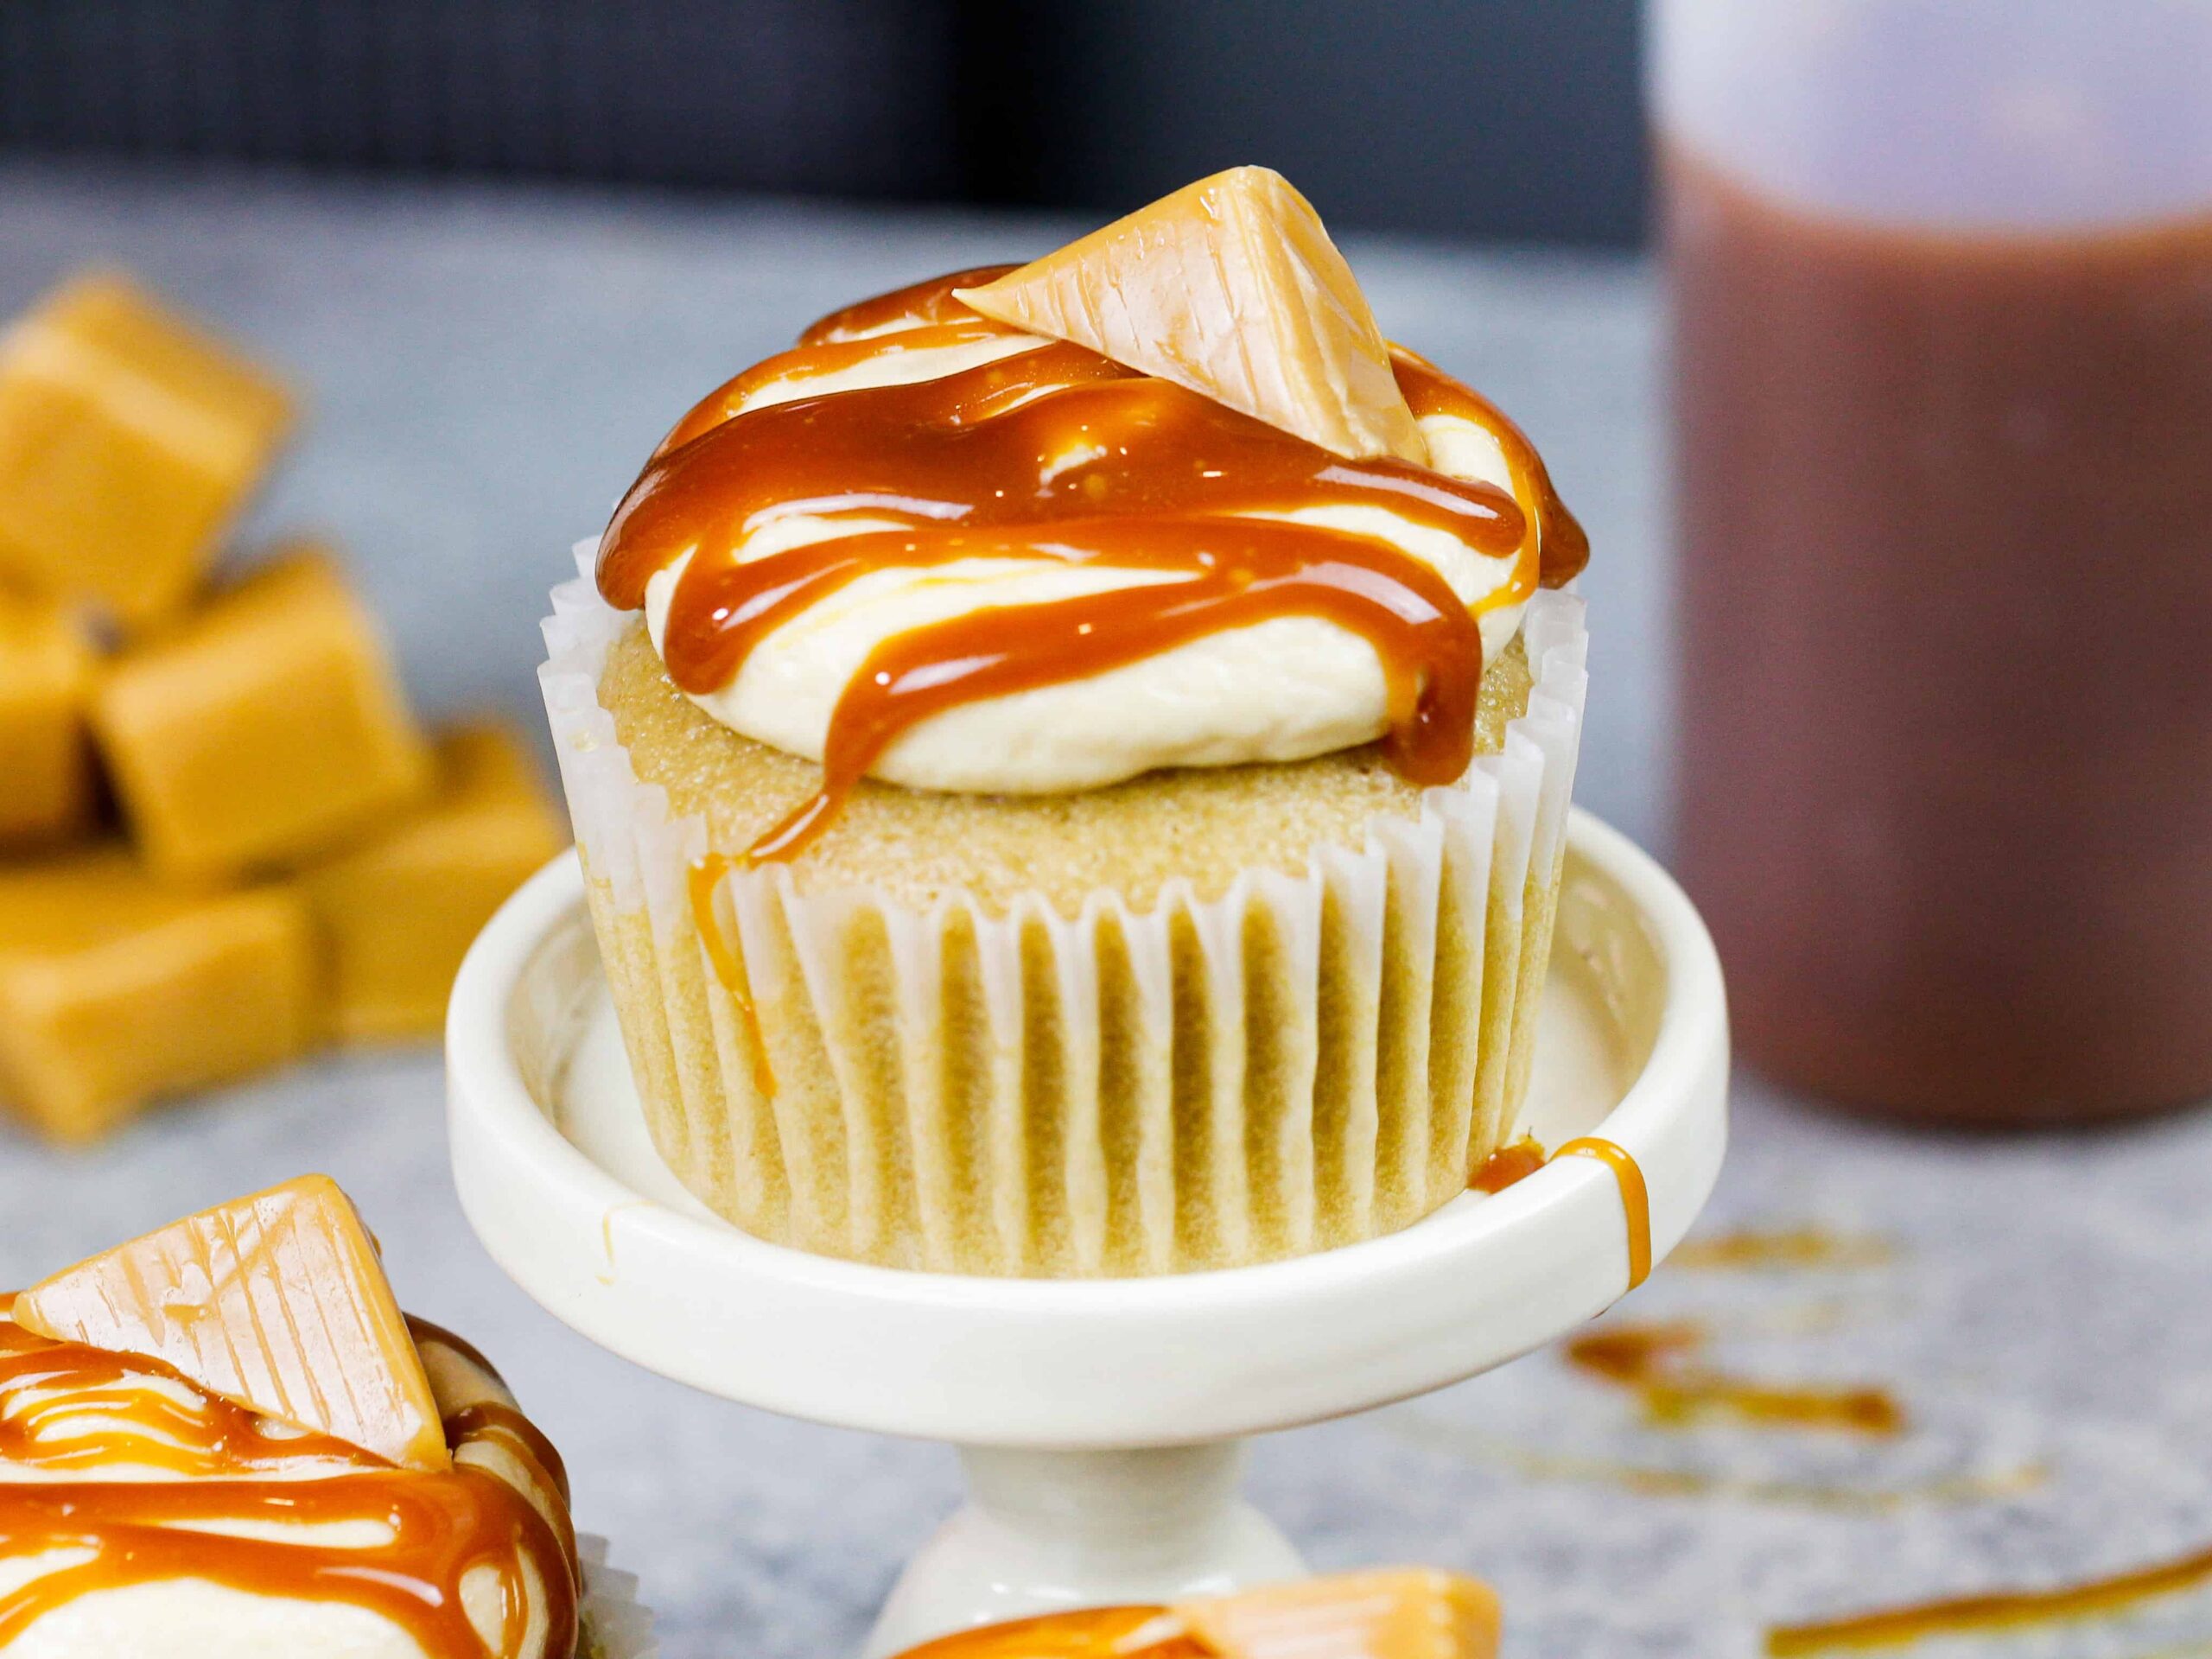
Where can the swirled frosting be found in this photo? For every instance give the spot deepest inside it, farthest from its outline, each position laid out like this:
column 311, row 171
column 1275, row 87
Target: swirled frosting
column 932, row 547
column 141, row 1514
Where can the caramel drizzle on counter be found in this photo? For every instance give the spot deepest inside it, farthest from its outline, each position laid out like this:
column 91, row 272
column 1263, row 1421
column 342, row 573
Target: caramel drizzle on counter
column 1655, row 1362
column 1995, row 1610
column 442, row 1526
column 1057, row 452
column 1524, row 1158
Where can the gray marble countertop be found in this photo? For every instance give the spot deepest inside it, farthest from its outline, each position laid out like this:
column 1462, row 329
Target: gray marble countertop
column 484, row 368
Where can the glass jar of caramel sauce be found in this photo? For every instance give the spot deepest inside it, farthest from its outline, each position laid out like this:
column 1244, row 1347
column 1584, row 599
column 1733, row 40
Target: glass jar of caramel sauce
column 1940, row 279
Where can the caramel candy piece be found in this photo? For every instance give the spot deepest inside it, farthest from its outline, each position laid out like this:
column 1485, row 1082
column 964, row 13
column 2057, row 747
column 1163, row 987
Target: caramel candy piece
column 128, row 440
column 276, row 1302
column 266, row 729
column 1393, row 1612
column 116, row 988
column 46, row 756
column 1231, row 288
column 397, row 915
column 1397, row 1612
column 1080, row 1633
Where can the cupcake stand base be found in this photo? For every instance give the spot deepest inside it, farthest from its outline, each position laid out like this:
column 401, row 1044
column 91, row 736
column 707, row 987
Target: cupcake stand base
column 1099, row 1420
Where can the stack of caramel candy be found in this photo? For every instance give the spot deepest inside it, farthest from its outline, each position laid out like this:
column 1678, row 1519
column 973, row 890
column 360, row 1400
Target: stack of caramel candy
column 224, row 837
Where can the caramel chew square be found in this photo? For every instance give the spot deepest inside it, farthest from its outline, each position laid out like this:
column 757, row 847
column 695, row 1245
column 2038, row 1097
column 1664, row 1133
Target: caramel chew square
column 46, row 691
column 396, row 915
column 128, row 440
column 266, row 730
column 117, row 988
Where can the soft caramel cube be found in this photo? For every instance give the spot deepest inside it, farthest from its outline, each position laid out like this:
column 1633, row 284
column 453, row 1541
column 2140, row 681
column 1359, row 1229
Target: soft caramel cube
column 117, row 988
column 276, row 1301
column 396, row 915
column 1390, row 1612
column 46, row 691
column 1231, row 289
column 268, row 729
column 128, row 441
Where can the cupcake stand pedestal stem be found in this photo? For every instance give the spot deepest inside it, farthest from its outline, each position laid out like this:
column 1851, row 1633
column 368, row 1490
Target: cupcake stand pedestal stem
column 1099, row 1420
column 1047, row 1529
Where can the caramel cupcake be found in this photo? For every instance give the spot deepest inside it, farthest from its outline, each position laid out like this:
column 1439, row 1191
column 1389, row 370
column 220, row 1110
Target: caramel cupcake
column 1071, row 763
column 225, row 1439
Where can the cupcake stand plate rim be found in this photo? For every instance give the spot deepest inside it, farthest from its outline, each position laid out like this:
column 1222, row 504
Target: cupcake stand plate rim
column 1097, row 1418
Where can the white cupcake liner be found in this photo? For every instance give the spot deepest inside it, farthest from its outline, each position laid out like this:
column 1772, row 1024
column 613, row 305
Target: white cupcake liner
column 615, row 1626
column 1483, row 849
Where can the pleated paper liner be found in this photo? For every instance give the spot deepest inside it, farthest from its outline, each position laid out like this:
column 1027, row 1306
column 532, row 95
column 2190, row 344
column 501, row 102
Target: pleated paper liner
column 1302, row 1062
column 615, row 1624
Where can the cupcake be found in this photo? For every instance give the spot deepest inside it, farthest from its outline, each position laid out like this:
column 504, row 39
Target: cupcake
column 224, row 1438
column 1070, row 763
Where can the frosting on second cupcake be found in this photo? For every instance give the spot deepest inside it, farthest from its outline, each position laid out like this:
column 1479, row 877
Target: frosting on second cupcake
column 140, row 1513
column 932, row 548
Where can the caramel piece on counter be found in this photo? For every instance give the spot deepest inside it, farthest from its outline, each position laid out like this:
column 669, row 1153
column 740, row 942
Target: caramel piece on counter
column 396, row 914
column 1229, row 286
column 276, row 1301
column 116, row 988
column 268, row 729
column 46, row 756
column 128, row 440
column 1398, row 1612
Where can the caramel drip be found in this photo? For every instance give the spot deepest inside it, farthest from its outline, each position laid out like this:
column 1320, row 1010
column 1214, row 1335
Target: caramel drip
column 489, row 1420
column 425, row 1333
column 726, row 953
column 1636, row 1198
column 1513, row 1163
column 1057, row 452
column 1994, row 1611
column 442, row 1526
column 1510, row 1165
column 1652, row 1361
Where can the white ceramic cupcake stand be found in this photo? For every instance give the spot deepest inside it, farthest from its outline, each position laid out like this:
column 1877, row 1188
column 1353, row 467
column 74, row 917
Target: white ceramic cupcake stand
column 1099, row 1420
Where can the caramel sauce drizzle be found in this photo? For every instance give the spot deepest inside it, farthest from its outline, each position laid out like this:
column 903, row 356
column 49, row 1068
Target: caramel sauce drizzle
column 1994, row 1611
column 1653, row 1362
column 1516, row 1162
column 726, row 954
column 1510, row 1165
column 1757, row 1250
column 1636, row 1198
column 442, row 1526
column 1057, row 452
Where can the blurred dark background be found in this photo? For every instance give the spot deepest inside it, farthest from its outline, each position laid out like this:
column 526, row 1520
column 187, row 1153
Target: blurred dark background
column 1511, row 119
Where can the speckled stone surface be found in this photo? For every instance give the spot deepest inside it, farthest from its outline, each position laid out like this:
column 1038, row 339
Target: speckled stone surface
column 485, row 370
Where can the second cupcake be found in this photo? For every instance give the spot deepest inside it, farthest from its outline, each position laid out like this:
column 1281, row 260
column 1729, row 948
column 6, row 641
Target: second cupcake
column 1071, row 763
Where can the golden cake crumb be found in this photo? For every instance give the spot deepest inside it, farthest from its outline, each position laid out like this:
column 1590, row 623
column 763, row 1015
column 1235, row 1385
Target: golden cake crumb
column 1204, row 825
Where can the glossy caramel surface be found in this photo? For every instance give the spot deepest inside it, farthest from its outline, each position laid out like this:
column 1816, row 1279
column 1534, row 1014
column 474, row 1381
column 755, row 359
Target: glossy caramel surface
column 70, row 1414
column 1057, row 452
